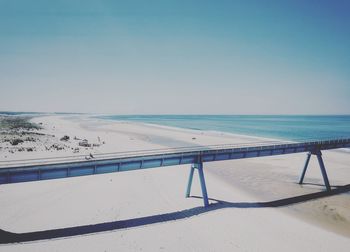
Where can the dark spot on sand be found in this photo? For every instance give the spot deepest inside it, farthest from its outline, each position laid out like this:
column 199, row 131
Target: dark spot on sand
column 64, row 138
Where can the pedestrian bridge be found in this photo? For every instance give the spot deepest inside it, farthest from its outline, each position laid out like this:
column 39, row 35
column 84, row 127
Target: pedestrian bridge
column 55, row 168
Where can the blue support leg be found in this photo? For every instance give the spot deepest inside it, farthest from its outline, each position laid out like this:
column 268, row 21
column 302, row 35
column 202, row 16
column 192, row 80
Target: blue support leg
column 305, row 168
column 189, row 184
column 323, row 170
column 202, row 180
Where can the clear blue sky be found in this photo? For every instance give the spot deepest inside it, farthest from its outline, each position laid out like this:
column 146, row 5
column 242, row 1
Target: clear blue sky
column 175, row 57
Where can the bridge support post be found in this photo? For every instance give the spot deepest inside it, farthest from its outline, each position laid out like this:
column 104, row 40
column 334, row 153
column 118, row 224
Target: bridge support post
column 318, row 154
column 199, row 167
column 305, row 168
column 323, row 170
column 190, row 178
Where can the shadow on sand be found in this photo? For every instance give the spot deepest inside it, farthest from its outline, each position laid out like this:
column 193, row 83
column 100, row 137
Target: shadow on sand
column 8, row 237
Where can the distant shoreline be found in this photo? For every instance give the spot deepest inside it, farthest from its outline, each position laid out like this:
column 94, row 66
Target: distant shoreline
column 281, row 127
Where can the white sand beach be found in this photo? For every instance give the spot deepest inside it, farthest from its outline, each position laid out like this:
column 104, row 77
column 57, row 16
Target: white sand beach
column 262, row 207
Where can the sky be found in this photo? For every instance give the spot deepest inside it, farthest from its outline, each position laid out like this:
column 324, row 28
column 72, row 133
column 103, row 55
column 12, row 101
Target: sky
column 175, row 57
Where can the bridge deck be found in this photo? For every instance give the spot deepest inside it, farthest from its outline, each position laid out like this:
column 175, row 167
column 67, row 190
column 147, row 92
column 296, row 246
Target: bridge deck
column 54, row 168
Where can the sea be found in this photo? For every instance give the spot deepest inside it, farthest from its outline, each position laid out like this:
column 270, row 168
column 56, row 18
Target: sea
column 284, row 127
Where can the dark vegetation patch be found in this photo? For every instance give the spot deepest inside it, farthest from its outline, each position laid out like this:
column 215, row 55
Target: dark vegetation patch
column 17, row 130
column 55, row 147
column 17, row 123
column 65, row 138
column 16, row 141
column 23, row 133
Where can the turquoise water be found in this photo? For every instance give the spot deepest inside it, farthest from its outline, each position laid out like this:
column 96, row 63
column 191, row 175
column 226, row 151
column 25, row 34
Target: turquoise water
column 281, row 126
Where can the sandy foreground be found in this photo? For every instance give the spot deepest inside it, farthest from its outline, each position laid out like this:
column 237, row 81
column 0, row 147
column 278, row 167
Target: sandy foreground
column 261, row 207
